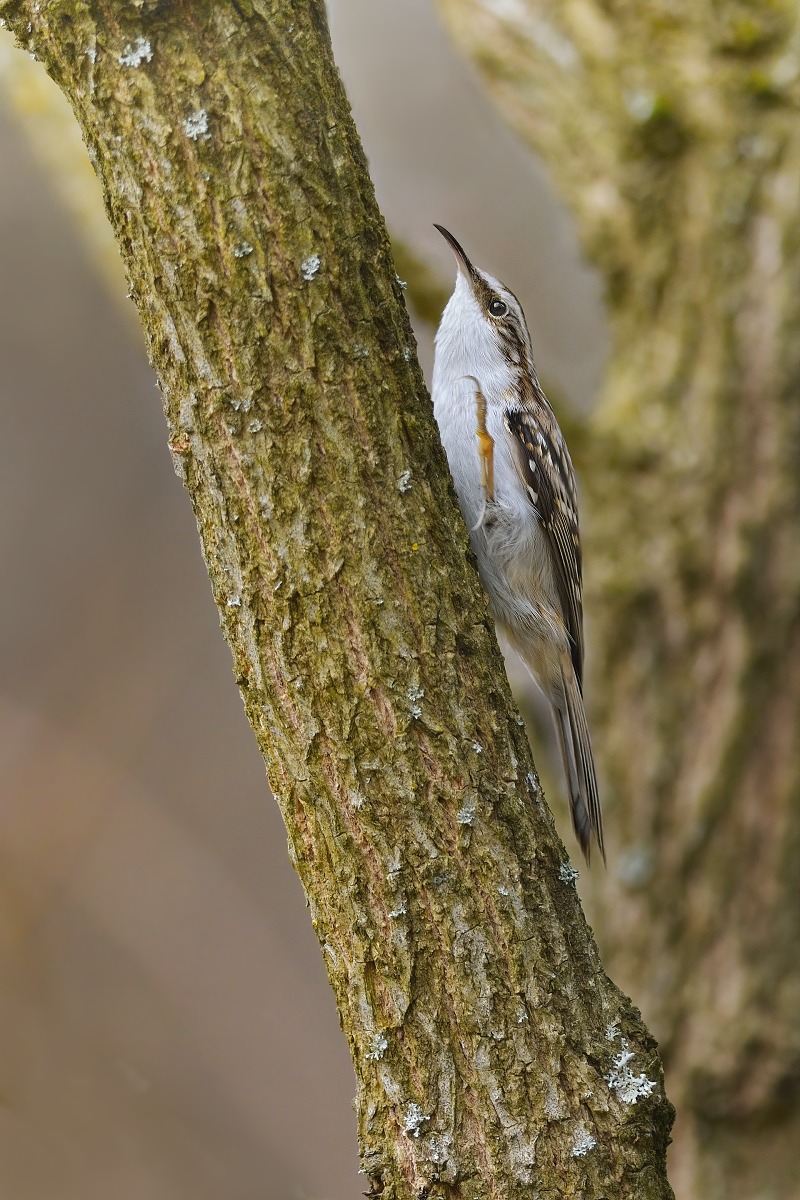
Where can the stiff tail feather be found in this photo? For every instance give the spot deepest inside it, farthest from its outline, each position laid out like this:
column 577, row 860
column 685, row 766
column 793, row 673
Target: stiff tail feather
column 576, row 751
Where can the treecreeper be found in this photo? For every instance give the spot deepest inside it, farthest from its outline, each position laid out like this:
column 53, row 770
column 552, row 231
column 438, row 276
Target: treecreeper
column 516, row 489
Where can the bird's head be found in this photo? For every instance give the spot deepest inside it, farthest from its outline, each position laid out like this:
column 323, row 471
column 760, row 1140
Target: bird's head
column 483, row 331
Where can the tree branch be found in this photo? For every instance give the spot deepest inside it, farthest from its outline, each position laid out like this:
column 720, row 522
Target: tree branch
column 490, row 1049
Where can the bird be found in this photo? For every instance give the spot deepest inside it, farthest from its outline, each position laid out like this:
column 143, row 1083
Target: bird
column 516, row 489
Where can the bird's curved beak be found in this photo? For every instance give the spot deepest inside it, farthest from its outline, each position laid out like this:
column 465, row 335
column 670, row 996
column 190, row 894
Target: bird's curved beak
column 464, row 265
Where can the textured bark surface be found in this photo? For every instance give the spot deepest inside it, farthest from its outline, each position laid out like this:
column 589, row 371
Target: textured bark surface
column 491, row 1051
column 673, row 134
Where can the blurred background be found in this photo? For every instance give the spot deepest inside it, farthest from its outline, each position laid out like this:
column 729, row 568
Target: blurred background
column 166, row 1027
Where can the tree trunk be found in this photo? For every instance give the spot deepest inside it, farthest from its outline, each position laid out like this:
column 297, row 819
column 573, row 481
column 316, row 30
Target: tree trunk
column 491, row 1051
column 674, row 139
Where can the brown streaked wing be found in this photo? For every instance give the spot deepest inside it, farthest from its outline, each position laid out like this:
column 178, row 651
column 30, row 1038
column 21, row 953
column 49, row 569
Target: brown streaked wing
column 550, row 486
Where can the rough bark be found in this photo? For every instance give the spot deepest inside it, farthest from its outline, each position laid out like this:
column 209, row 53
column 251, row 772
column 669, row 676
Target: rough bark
column 672, row 133
column 492, row 1053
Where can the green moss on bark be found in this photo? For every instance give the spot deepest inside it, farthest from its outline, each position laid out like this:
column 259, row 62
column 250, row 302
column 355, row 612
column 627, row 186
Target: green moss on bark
column 490, row 1049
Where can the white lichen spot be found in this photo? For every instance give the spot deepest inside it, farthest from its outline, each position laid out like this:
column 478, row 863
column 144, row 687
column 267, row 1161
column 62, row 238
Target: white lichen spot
column 242, row 250
column 503, row 891
column 567, row 873
column 310, row 266
column 401, row 282
column 522, row 1017
column 357, row 799
column 477, row 747
column 612, row 1033
column 582, row 1141
column 396, row 913
column 91, row 54
column 415, row 693
column 406, row 354
column 552, row 1104
column 440, row 1149
column 195, row 126
column 234, row 602
column 255, row 426
column 377, row 1047
column 404, row 482
column 135, row 53
column 466, row 815
column 394, row 866
column 415, row 1118
column 360, row 352
column 621, row 1079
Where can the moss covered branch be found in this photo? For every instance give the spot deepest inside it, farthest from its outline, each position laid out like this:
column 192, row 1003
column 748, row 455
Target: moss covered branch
column 491, row 1051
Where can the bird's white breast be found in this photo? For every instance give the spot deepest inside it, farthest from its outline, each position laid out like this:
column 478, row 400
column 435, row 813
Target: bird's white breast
column 455, row 409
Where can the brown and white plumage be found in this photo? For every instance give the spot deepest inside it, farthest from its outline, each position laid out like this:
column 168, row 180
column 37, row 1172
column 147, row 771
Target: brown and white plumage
column 526, row 535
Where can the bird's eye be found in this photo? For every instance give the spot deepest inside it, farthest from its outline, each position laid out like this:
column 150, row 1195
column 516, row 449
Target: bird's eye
column 497, row 308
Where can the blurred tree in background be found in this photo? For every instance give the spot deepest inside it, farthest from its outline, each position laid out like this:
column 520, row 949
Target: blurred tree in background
column 672, row 132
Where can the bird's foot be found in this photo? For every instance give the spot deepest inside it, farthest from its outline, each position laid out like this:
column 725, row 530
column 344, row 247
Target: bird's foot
column 485, row 446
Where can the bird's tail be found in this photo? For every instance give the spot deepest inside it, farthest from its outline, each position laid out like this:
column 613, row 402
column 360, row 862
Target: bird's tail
column 576, row 751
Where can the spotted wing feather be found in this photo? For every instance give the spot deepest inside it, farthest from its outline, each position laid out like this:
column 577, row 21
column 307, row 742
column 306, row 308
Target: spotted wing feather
column 544, row 466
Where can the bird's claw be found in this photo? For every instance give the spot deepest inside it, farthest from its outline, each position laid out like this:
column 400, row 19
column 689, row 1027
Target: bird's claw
column 485, row 445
